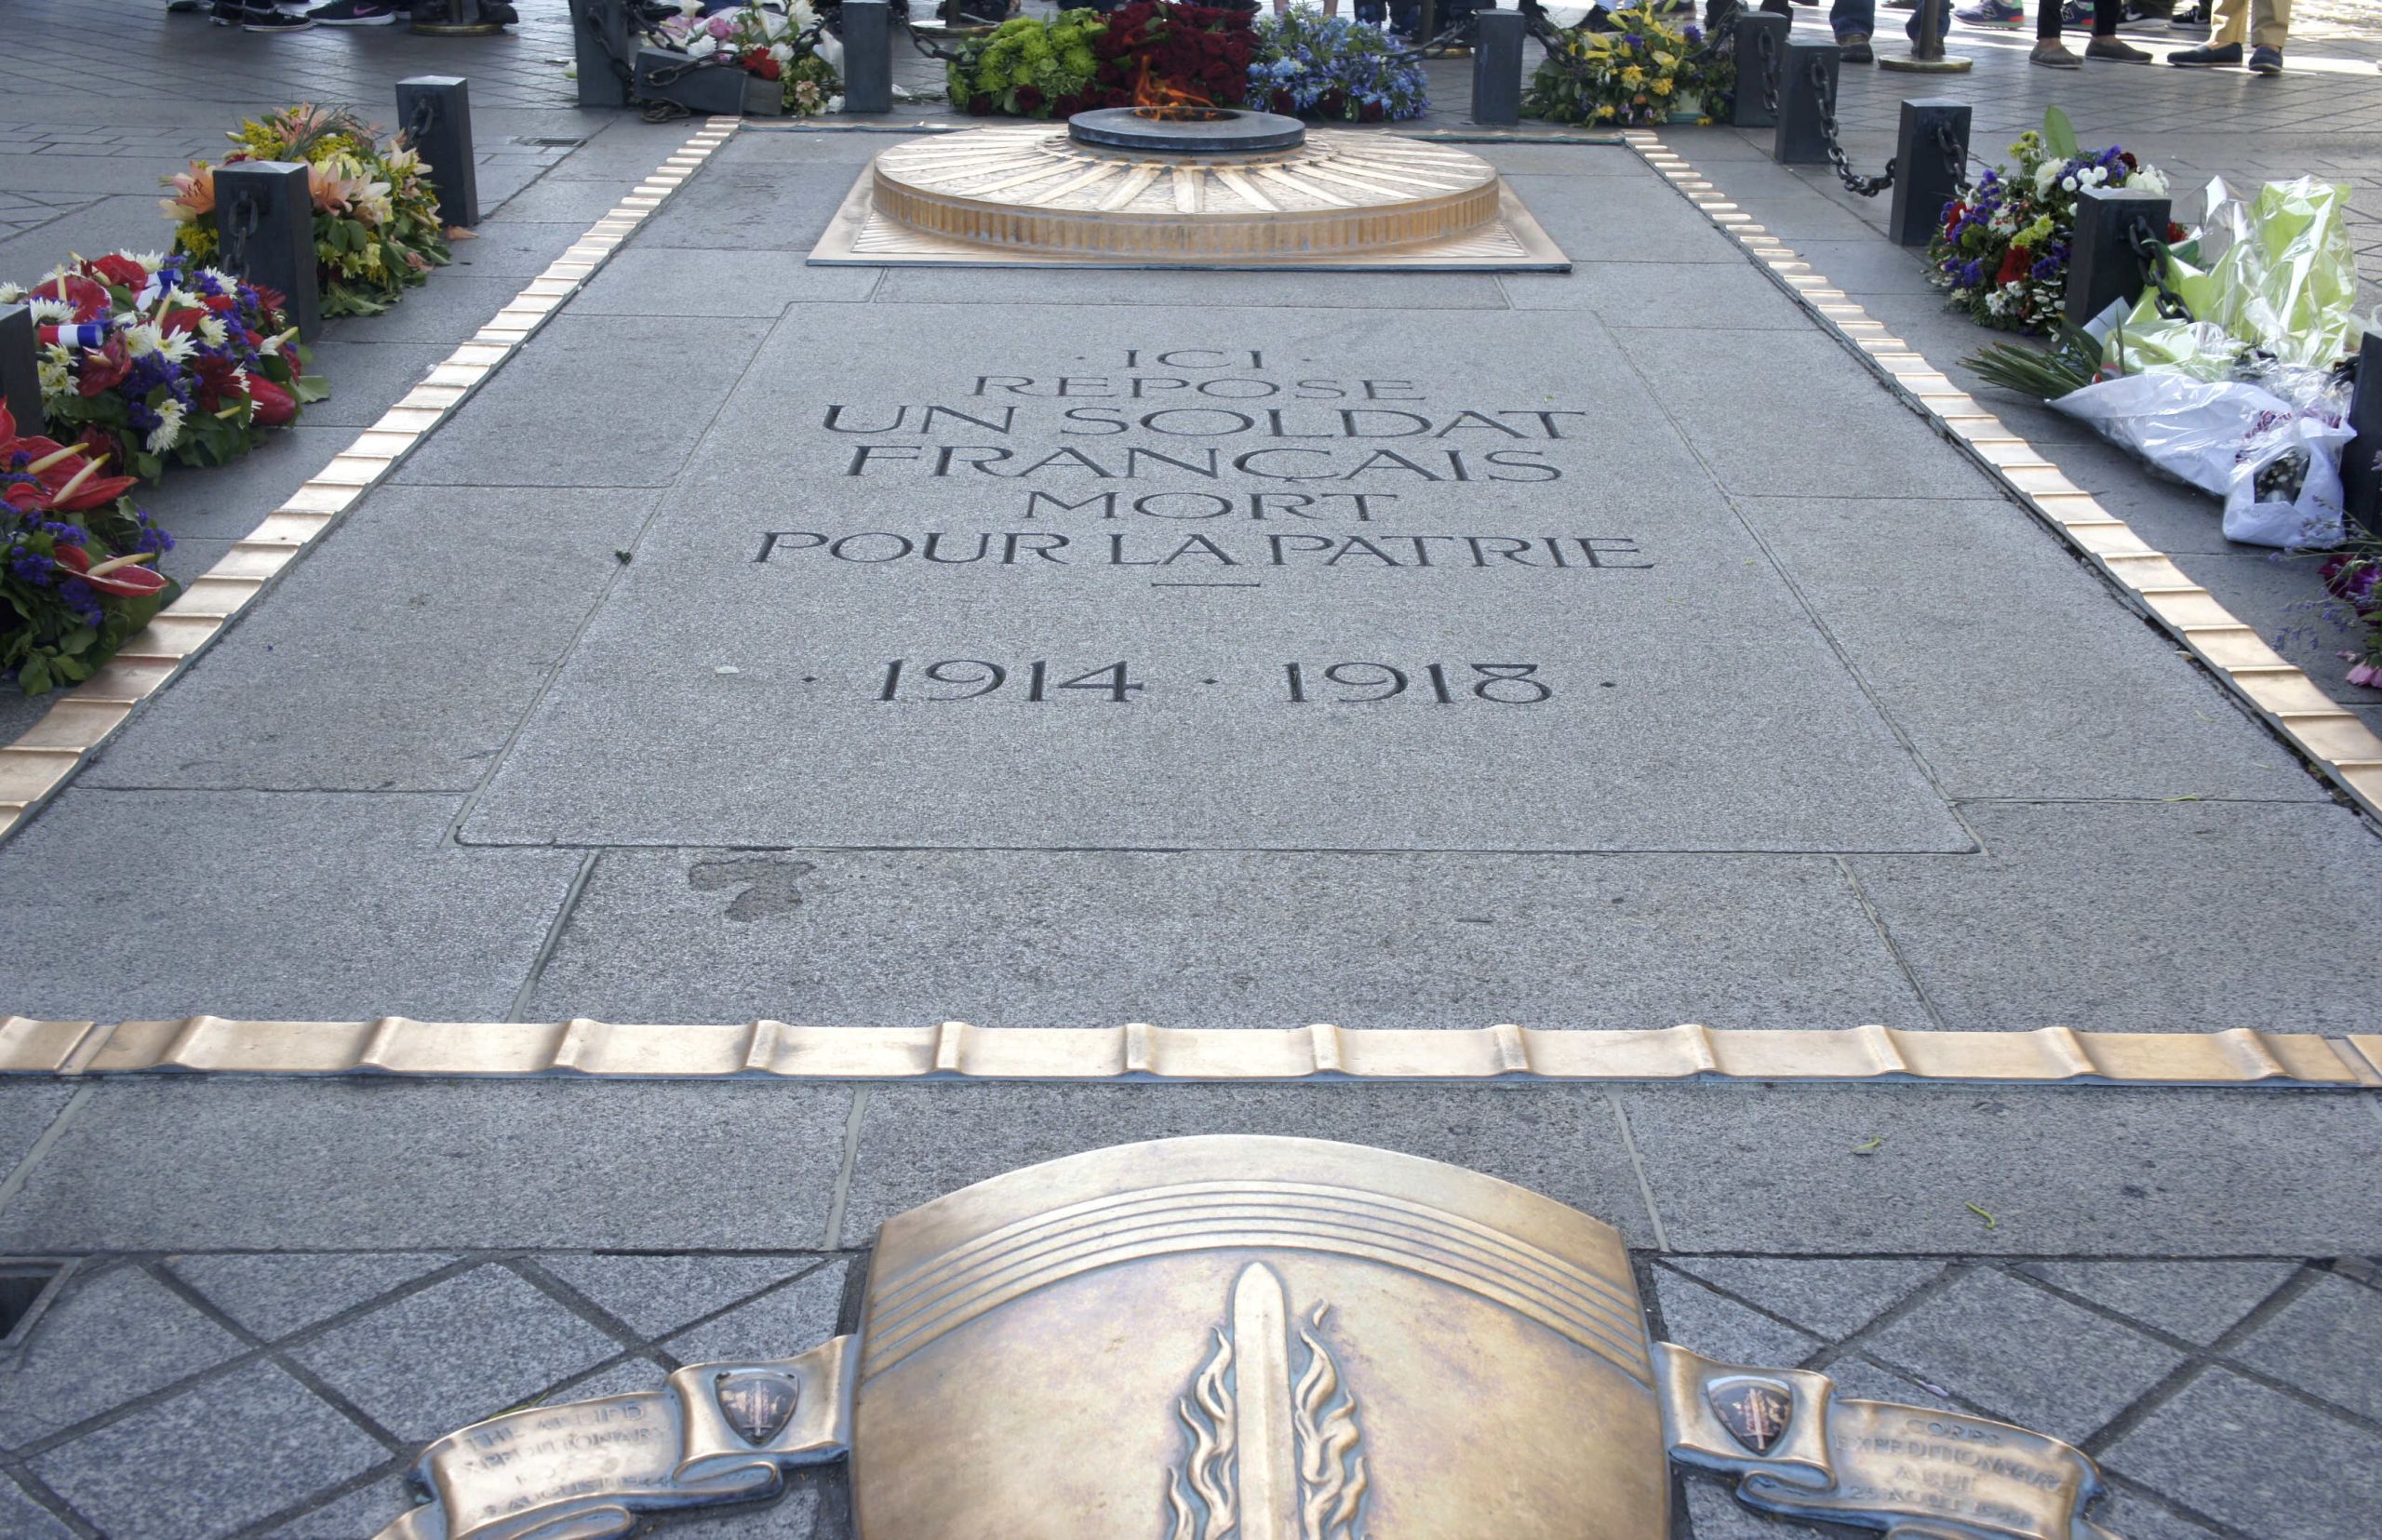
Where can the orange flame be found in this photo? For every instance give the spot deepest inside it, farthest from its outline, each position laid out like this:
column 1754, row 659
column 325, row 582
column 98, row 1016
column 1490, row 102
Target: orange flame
column 1156, row 99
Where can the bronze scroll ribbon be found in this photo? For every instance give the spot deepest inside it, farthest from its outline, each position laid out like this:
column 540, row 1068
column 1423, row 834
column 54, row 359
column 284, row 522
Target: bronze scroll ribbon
column 1919, row 1475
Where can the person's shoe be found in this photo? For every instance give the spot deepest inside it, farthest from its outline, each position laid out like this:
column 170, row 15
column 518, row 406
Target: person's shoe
column 1855, row 49
column 183, row 7
column 2206, row 57
column 2266, row 61
column 2051, row 55
column 1902, row 5
column 1999, row 15
column 498, row 13
column 353, row 13
column 265, row 19
column 2115, row 50
column 2076, row 13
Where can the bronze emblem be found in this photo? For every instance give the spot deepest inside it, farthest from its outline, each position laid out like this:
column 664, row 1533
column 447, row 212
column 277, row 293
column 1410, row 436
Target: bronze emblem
column 1250, row 1339
column 1755, row 1412
column 756, row 1405
column 1268, row 1459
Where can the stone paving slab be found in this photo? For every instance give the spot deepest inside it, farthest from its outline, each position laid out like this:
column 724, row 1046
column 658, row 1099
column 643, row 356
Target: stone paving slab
column 1089, row 939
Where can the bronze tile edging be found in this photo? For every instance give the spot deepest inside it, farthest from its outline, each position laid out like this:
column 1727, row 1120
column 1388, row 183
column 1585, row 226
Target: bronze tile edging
column 1140, row 1051
column 2329, row 735
column 40, row 762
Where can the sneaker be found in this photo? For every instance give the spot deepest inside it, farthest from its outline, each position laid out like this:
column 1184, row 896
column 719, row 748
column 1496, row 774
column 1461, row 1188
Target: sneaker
column 2076, row 13
column 2206, row 56
column 183, row 7
column 2116, row 51
column 1856, row 48
column 2266, row 61
column 352, row 13
column 2051, row 55
column 253, row 18
column 1999, row 15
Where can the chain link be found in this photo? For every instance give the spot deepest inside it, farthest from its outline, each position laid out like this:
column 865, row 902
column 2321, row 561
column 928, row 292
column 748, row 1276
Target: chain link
column 1824, row 93
column 2155, row 256
column 1767, row 47
column 235, row 231
column 425, row 112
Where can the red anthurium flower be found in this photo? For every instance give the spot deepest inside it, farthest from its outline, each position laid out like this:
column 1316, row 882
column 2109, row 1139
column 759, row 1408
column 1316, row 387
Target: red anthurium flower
column 104, row 370
column 177, row 321
column 91, row 301
column 122, row 271
column 276, row 407
column 120, row 575
column 66, row 476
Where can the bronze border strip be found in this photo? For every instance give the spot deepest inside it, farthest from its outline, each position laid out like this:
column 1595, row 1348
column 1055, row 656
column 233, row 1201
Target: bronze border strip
column 2329, row 735
column 41, row 762
column 1139, row 1051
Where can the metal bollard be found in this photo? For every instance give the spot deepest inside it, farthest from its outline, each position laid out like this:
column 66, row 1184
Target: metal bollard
column 1930, row 157
column 2102, row 263
column 1761, row 43
column 435, row 112
column 600, row 37
column 1802, row 141
column 700, row 88
column 868, row 55
column 19, row 369
column 1497, row 66
column 2362, row 460
column 266, row 215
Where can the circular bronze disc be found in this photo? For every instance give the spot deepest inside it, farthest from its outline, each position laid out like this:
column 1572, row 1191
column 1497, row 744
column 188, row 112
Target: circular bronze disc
column 1033, row 189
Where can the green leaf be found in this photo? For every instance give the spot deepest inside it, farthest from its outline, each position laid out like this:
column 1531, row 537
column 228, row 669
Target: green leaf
column 2059, row 135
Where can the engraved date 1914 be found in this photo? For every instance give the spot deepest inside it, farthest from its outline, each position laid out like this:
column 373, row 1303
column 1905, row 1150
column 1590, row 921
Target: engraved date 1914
column 949, row 679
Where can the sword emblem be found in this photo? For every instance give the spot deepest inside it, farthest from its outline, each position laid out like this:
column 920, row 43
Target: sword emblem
column 1276, row 1453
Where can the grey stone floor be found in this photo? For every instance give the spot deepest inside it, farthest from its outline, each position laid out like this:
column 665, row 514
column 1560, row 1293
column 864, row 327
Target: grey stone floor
column 1874, row 749
column 2322, row 117
column 202, row 1394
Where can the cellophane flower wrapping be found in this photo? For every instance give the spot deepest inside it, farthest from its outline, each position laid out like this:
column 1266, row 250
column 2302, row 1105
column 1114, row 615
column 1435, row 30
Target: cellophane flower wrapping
column 375, row 211
column 1309, row 66
column 1077, row 60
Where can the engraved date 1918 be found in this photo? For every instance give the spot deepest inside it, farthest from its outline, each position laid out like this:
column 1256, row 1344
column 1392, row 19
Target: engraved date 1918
column 1336, row 683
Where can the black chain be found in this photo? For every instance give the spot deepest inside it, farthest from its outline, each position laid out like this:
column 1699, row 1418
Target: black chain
column 2155, row 256
column 1451, row 36
column 235, row 226
column 425, row 113
column 1956, row 155
column 1767, row 46
column 1823, row 91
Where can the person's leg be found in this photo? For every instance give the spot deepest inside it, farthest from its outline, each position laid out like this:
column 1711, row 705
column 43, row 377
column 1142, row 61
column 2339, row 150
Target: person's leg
column 2223, row 46
column 2269, row 22
column 2049, row 51
column 1852, row 21
column 2106, row 43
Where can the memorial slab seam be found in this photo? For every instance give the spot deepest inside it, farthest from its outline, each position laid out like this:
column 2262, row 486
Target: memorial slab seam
column 2330, row 736
column 1139, row 1051
column 45, row 756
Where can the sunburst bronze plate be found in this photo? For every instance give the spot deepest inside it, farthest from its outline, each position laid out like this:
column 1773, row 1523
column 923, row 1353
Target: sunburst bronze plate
column 1030, row 197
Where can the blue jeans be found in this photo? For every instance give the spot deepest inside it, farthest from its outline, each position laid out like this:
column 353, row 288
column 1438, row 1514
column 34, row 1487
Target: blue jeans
column 1846, row 17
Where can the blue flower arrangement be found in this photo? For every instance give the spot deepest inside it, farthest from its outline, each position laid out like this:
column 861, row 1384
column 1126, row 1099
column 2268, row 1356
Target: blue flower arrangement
column 1310, row 66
